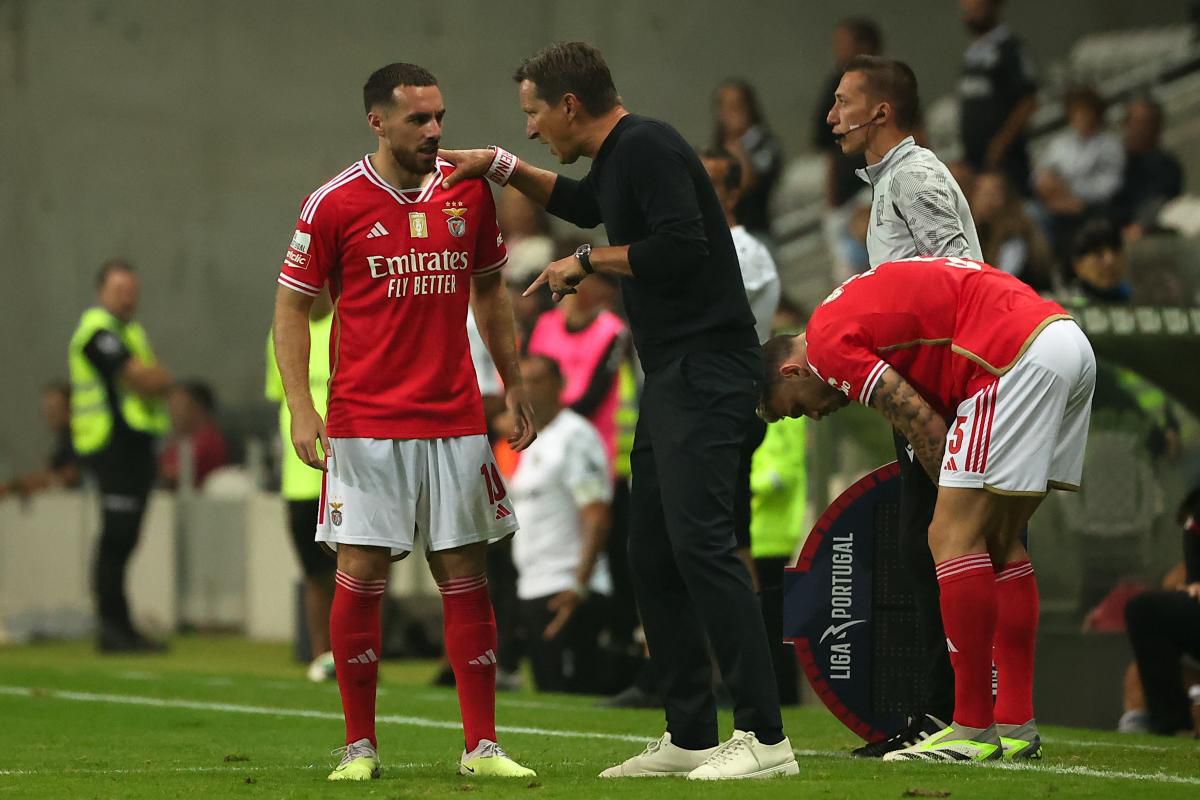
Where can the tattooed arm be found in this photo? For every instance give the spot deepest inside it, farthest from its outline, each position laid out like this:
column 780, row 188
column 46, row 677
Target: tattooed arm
column 916, row 420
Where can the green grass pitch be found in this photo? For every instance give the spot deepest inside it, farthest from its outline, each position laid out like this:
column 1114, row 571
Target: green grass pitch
column 222, row 717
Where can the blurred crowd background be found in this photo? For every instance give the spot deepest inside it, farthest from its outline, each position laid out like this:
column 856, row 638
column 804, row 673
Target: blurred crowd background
column 183, row 138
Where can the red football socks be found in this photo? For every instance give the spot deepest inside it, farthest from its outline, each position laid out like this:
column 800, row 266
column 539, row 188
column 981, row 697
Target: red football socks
column 1016, row 634
column 355, row 638
column 470, row 630
column 968, row 586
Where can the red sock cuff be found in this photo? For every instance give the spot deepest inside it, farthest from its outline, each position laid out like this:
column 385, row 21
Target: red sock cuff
column 1014, row 570
column 466, row 601
column 361, row 587
column 956, row 569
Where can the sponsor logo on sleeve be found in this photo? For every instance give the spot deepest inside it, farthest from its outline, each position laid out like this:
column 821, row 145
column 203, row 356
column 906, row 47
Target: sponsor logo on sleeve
column 297, row 253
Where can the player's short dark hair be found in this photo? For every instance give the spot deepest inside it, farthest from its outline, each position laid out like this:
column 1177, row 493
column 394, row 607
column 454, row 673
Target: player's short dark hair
column 775, row 353
column 1096, row 236
column 200, row 392
column 733, row 176
column 377, row 91
column 571, row 68
column 550, row 363
column 866, row 33
column 109, row 267
column 892, row 81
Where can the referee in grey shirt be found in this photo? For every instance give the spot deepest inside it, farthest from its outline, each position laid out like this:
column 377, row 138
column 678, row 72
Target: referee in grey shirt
column 917, row 209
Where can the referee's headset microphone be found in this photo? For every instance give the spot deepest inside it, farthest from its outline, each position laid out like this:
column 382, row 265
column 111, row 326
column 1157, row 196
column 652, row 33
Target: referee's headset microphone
column 853, row 128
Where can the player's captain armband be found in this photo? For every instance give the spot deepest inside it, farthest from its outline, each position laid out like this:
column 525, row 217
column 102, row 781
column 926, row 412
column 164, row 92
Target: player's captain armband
column 297, row 252
column 504, row 164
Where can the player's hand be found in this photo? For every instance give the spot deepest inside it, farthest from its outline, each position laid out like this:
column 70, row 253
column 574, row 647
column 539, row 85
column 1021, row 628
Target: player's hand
column 562, row 276
column 307, row 430
column 523, row 430
column 563, row 605
column 1193, row 589
column 467, row 164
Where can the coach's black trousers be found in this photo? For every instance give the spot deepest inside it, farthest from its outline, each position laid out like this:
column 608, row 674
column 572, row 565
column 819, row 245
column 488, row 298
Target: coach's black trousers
column 125, row 471
column 918, row 495
column 690, row 583
column 1164, row 626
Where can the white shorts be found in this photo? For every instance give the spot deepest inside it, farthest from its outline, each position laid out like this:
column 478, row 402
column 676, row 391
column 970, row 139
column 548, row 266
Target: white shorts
column 384, row 492
column 1026, row 433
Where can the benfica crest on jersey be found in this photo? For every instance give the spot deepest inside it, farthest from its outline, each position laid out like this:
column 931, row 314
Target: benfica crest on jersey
column 335, row 513
column 456, row 220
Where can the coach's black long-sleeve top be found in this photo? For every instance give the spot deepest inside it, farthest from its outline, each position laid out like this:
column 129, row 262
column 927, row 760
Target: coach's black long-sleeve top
column 652, row 193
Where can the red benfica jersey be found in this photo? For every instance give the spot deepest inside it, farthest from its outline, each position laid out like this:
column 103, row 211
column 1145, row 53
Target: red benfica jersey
column 399, row 265
column 949, row 326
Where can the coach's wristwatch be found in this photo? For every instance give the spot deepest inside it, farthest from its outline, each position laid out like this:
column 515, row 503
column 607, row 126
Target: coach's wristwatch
column 583, row 254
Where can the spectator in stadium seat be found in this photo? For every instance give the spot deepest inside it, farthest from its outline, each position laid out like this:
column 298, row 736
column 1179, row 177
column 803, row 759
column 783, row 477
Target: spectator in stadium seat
column 997, row 95
column 1081, row 169
column 1152, row 175
column 561, row 489
column 1098, row 264
column 740, row 127
column 1011, row 241
column 1163, row 627
column 854, row 36
column 62, row 467
column 191, row 405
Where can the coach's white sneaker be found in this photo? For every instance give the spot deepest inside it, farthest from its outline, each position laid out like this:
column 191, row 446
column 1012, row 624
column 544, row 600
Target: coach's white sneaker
column 744, row 756
column 660, row 759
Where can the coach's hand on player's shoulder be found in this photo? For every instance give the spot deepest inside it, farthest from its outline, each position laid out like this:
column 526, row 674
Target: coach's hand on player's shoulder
column 562, row 276
column 467, row 164
column 523, row 429
column 307, row 429
column 563, row 605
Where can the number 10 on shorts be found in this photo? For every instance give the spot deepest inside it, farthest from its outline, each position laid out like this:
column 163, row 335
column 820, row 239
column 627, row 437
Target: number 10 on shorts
column 495, row 486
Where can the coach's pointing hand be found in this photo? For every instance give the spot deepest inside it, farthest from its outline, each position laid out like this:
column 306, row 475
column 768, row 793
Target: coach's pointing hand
column 562, row 275
column 467, row 164
column 307, row 429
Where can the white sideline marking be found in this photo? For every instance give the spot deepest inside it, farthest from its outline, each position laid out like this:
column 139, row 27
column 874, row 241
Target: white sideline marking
column 1122, row 745
column 197, row 705
column 171, row 770
column 158, row 702
column 1086, row 772
column 1155, row 777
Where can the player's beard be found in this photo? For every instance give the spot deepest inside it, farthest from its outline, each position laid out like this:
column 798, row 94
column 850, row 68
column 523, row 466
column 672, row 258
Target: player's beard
column 419, row 161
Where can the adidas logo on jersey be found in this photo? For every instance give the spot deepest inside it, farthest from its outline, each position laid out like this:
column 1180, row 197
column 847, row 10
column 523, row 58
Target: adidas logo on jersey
column 502, row 512
column 377, row 230
column 484, row 660
column 364, row 658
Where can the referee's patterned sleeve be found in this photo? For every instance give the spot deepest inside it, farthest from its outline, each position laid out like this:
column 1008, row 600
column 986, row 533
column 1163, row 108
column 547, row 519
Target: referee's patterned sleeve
column 925, row 201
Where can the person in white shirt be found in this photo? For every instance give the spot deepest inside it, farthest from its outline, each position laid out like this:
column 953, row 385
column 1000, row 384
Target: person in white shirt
column 759, row 274
column 1082, row 166
column 562, row 491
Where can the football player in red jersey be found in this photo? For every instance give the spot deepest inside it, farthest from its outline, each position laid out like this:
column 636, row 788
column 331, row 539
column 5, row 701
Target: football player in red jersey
column 926, row 340
column 404, row 445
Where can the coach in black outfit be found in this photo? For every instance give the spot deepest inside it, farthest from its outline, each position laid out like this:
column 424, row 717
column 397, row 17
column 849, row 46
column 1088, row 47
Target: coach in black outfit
column 694, row 333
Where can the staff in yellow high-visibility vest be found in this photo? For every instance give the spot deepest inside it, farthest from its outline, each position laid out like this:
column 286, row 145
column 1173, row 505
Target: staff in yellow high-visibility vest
column 117, row 411
column 300, row 486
